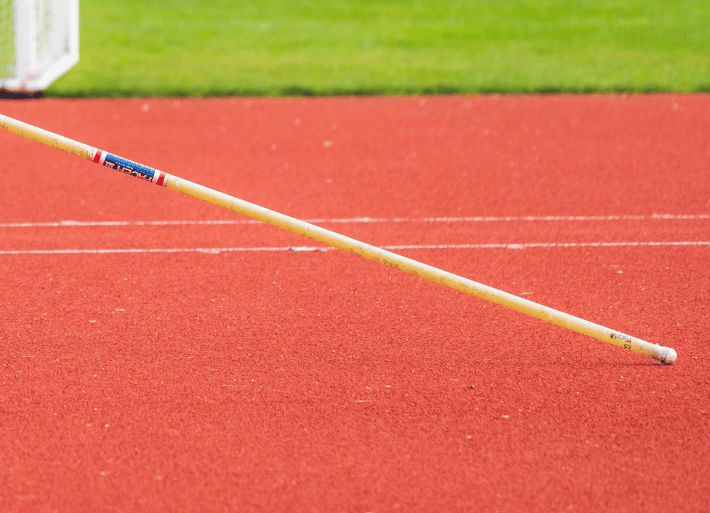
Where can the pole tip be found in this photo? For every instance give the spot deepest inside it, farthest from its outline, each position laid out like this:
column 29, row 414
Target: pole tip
column 670, row 357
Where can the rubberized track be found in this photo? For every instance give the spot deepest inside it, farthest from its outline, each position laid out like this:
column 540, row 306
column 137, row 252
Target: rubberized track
column 225, row 372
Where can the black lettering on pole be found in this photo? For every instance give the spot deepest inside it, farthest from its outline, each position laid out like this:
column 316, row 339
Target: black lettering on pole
column 129, row 167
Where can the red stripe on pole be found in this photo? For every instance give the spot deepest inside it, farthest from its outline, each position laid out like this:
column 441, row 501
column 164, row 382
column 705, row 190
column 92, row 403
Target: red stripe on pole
column 161, row 178
column 97, row 157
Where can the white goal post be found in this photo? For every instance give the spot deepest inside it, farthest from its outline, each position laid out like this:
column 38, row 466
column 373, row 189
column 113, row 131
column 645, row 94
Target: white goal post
column 39, row 42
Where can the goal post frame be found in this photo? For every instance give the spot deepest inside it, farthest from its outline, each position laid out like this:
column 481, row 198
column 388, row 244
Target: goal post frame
column 32, row 73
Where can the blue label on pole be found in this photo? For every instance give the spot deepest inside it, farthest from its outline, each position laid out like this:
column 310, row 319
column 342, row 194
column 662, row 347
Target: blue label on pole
column 130, row 167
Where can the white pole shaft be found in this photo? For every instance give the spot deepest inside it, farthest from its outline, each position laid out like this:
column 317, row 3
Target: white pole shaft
column 663, row 354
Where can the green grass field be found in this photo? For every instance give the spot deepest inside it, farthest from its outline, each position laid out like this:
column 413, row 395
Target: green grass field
column 310, row 47
column 7, row 39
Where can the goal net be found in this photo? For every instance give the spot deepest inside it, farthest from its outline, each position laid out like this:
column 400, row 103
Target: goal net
column 39, row 41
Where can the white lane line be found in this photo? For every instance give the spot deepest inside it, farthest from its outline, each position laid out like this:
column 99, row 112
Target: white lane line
column 152, row 250
column 297, row 249
column 365, row 220
column 526, row 245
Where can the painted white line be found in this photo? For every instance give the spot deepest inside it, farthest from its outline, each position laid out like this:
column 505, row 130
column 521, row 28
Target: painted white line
column 150, row 250
column 298, row 249
column 526, row 245
column 652, row 217
column 366, row 220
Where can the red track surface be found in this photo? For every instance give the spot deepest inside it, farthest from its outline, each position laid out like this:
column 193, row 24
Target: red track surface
column 319, row 381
